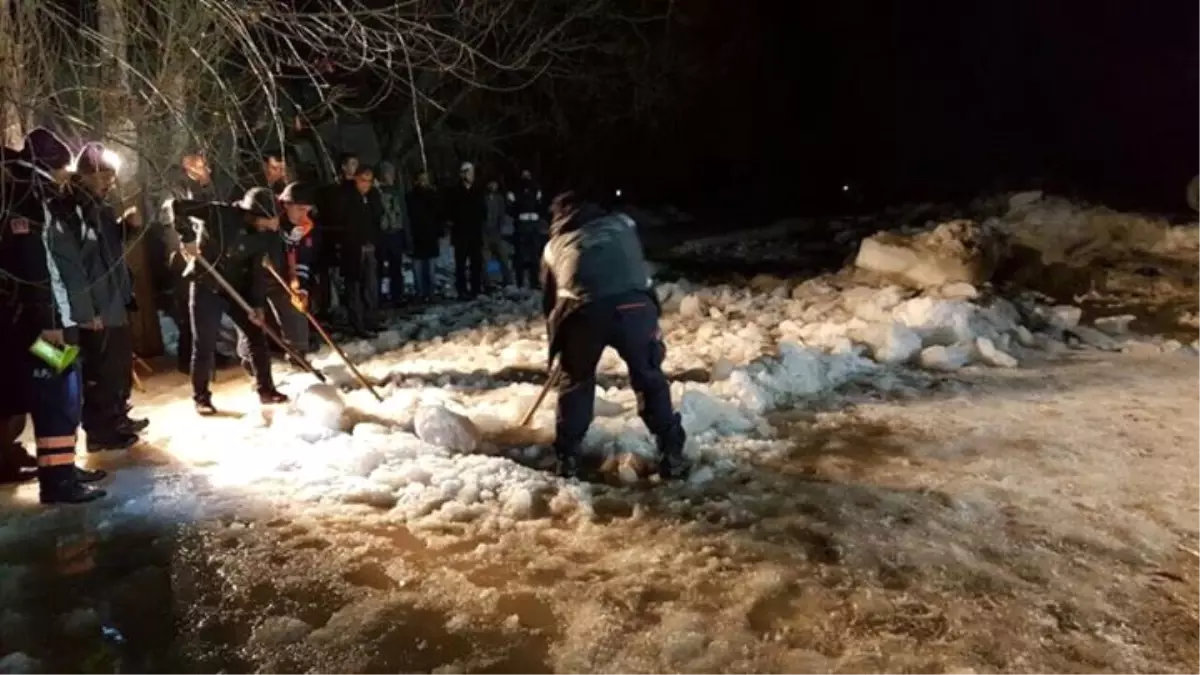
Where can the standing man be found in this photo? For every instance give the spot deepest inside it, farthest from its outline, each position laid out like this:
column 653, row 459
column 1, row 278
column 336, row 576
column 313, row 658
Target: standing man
column 396, row 234
column 234, row 240
column 424, row 210
column 106, row 342
column 195, row 184
column 360, row 214
column 493, row 232
column 35, row 305
column 596, row 294
column 525, row 206
column 302, row 248
column 468, row 211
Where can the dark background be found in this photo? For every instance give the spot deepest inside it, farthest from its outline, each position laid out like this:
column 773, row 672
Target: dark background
column 918, row 101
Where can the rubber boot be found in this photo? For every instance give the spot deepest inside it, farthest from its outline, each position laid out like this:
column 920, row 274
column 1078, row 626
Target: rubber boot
column 672, row 465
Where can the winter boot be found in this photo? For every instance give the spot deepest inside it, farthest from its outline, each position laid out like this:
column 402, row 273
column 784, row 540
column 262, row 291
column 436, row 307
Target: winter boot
column 672, row 465
column 569, row 465
column 69, row 492
column 205, row 407
column 132, row 425
column 90, row 475
column 271, row 396
column 116, row 440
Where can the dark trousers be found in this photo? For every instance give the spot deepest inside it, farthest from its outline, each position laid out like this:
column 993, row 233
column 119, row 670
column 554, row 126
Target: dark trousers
column 392, row 255
column 107, row 361
column 55, row 401
column 468, row 282
column 181, row 314
column 207, row 308
column 527, row 254
column 629, row 324
column 281, row 317
column 360, row 293
column 423, row 277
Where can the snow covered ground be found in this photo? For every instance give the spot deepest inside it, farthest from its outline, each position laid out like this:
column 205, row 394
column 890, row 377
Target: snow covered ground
column 876, row 470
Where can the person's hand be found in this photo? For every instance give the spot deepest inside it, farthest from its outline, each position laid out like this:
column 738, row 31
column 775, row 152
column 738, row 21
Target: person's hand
column 132, row 217
column 300, row 300
column 54, row 337
column 258, row 316
column 191, row 250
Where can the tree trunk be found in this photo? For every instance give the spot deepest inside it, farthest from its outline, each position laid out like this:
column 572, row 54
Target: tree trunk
column 12, row 76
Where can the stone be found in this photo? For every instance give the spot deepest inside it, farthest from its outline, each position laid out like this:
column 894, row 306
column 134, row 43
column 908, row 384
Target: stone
column 944, row 358
column 959, row 291
column 955, row 251
column 1094, row 338
column 890, row 343
column 1024, row 337
column 992, row 355
column 721, row 370
column 1115, row 326
column 939, row 322
column 1022, row 200
column 691, row 306
column 20, row 662
column 1060, row 317
column 437, row 425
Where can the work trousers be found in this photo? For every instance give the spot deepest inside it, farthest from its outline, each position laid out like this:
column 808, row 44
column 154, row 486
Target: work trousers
column 207, row 307
column 361, row 290
column 528, row 243
column 629, row 324
column 107, row 364
column 468, row 268
column 55, row 401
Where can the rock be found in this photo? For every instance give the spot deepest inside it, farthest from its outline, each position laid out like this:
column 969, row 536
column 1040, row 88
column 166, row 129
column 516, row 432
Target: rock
column 437, row 425
column 19, row 662
column 939, row 322
column 1094, row 338
column 990, row 354
column 1058, row 317
column 277, row 631
column 691, row 306
column 721, row 370
column 1022, row 200
column 943, row 358
column 1024, row 337
column 1115, row 325
column 959, row 291
column 890, row 343
column 323, row 405
column 955, row 251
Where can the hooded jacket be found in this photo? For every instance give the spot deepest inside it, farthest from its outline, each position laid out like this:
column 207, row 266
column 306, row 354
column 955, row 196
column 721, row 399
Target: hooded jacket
column 591, row 255
column 103, row 255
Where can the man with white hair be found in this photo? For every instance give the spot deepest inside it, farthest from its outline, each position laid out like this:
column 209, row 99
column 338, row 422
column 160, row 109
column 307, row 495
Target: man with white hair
column 467, row 211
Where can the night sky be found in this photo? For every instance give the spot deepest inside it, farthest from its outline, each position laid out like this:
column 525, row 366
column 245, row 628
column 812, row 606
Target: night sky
column 927, row 101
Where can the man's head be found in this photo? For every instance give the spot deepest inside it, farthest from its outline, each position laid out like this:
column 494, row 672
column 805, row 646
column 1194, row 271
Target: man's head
column 259, row 207
column 493, row 186
column 423, row 179
column 96, row 169
column 297, row 200
column 348, row 162
column 47, row 152
column 195, row 167
column 274, row 168
column 364, row 179
column 526, row 175
column 387, row 173
column 467, row 173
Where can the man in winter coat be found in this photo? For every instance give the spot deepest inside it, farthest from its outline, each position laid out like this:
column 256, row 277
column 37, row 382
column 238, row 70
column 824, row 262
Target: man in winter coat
column 493, row 232
column 597, row 294
column 303, row 244
column 35, row 303
column 525, row 206
column 106, row 342
column 360, row 212
column 194, row 183
column 395, row 226
column 234, row 240
column 467, row 211
column 425, row 214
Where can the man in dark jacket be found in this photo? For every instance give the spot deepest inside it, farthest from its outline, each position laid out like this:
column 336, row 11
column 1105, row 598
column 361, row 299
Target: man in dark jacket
column 597, row 294
column 360, row 212
column 303, row 242
column 526, row 208
column 424, row 211
column 467, row 206
column 234, row 240
column 35, row 304
column 194, row 183
column 105, row 342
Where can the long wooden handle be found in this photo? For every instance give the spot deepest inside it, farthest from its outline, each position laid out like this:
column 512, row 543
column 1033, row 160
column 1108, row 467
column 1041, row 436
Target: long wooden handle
column 555, row 372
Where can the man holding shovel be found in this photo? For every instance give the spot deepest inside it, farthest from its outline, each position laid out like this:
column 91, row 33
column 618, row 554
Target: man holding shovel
column 233, row 242
column 596, row 293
